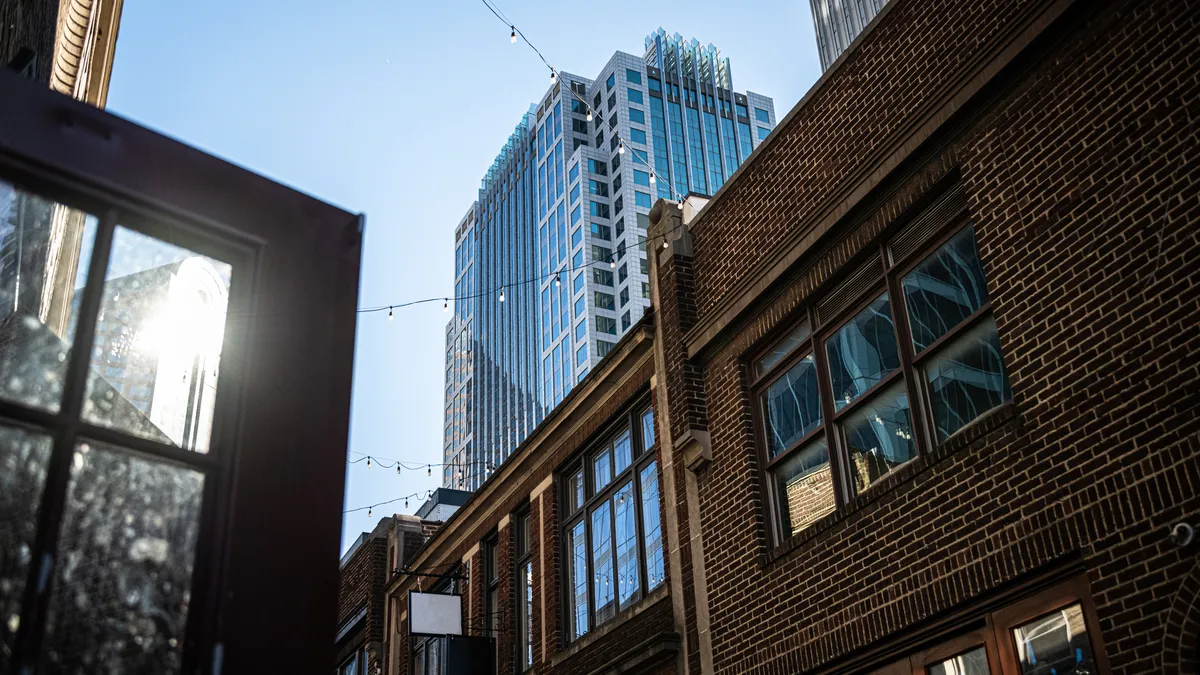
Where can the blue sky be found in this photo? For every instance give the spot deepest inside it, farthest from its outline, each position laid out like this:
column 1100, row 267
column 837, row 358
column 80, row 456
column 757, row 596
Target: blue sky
column 395, row 109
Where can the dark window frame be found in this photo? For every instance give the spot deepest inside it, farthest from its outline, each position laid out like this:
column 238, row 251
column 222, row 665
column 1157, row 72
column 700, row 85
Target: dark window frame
column 523, row 555
column 630, row 418
column 908, row 375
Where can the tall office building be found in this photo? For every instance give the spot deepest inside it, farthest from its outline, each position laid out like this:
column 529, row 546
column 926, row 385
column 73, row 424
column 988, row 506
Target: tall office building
column 562, row 214
column 838, row 22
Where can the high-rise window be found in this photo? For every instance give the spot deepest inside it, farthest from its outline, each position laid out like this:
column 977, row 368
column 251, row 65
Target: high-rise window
column 741, row 110
column 840, row 391
column 729, row 145
column 678, row 154
column 605, row 324
column 641, row 178
column 637, row 116
column 612, row 528
column 611, row 81
column 642, row 199
column 633, row 76
column 658, row 128
column 637, row 136
column 762, row 116
column 745, row 142
column 635, row 95
column 603, row 348
column 604, row 300
column 763, row 132
column 715, row 175
column 696, row 151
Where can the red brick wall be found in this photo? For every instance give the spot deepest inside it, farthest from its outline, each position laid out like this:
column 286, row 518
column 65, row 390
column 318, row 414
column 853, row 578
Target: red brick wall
column 1081, row 182
column 364, row 581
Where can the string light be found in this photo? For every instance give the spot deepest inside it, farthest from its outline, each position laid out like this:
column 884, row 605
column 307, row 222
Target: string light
column 391, row 316
column 429, row 470
column 397, row 468
column 680, row 204
column 612, row 263
column 557, row 283
column 368, row 462
column 589, row 115
column 621, row 147
column 666, row 243
column 652, row 179
column 513, row 38
column 446, row 305
column 553, row 76
column 501, row 295
column 368, row 512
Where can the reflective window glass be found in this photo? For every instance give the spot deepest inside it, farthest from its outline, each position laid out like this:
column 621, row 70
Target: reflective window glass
column 45, row 250
column 862, row 352
column 782, row 349
column 804, row 487
column 622, row 452
column 966, row 378
column 24, row 456
column 1055, row 644
column 157, row 351
column 973, row 662
column 792, row 406
column 578, row 597
column 944, row 289
column 625, row 526
column 603, row 589
column 879, row 436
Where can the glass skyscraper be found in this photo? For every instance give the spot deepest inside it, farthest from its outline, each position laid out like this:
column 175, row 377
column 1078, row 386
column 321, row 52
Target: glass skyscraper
column 838, row 22
column 561, row 220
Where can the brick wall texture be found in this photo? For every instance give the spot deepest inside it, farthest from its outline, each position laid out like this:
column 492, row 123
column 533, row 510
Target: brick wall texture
column 1079, row 167
column 30, row 24
column 1072, row 128
column 363, row 583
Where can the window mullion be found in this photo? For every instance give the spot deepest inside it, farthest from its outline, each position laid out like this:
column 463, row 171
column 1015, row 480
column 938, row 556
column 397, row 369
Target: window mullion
column 916, row 387
column 640, row 549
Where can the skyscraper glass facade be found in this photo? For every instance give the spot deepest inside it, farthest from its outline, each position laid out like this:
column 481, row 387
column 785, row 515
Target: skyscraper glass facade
column 838, row 22
column 561, row 218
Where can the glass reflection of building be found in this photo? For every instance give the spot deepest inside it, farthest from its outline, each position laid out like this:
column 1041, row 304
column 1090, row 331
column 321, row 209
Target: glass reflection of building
column 562, row 216
column 838, row 22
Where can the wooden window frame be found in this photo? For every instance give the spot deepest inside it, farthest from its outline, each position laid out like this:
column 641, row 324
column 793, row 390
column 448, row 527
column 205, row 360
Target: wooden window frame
column 630, row 418
column 295, row 264
column 908, row 375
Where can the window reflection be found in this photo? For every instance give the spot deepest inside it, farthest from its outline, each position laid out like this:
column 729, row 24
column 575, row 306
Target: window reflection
column 863, row 352
column 578, row 614
column 45, row 250
column 792, row 406
column 652, row 523
column 944, row 289
column 1055, row 644
column 966, row 378
column 625, row 524
column 159, row 334
column 602, row 562
column 879, row 436
column 804, row 487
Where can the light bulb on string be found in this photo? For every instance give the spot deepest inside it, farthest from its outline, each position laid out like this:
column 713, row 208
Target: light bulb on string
column 680, row 204
column 666, row 243
column 446, row 305
column 429, row 470
column 512, row 39
column 612, row 264
column 553, row 76
column 397, row 468
column 390, row 315
column 652, row 179
column 369, row 511
column 557, row 282
column 406, row 502
column 621, row 148
column 589, row 115
column 502, row 295
column 368, row 462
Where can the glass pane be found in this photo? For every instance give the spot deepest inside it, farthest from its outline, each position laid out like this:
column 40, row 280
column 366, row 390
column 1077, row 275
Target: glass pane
column 625, row 510
column 966, row 378
column 419, row 661
column 973, row 662
column 526, row 592
column 434, row 664
column 862, row 353
column 578, row 615
column 575, row 492
column 602, row 563
column 879, row 436
column 602, row 469
column 944, row 289
column 158, row 343
column 648, row 429
column 804, row 487
column 792, row 406
column 781, row 350
column 45, row 249
column 1056, row 643
column 23, row 459
column 124, row 571
column 622, row 452
column 652, row 522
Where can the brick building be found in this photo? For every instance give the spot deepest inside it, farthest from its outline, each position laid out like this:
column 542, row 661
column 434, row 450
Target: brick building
column 923, row 378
